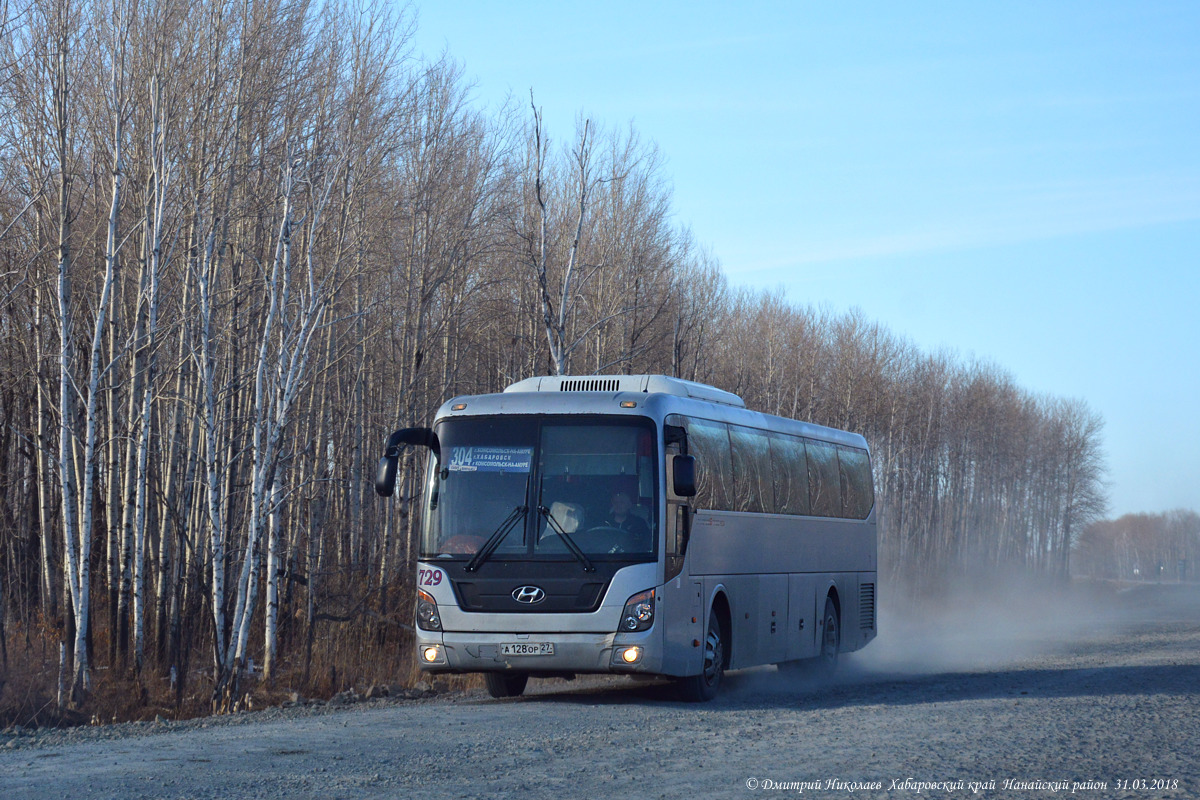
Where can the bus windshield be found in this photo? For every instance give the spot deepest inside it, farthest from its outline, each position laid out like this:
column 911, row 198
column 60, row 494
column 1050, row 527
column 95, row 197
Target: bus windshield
column 551, row 481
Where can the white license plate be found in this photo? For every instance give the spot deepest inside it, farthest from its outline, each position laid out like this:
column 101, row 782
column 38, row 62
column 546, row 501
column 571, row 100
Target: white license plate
column 527, row 649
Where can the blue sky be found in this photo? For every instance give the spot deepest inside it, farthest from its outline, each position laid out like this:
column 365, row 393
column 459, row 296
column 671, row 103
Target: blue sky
column 1018, row 182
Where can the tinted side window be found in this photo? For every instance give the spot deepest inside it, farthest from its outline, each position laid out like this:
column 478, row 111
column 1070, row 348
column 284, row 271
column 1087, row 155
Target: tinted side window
column 824, row 480
column 859, row 492
column 751, row 470
column 789, row 472
column 709, row 443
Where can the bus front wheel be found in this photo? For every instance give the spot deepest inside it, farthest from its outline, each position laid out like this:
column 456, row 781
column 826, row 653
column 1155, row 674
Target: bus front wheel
column 505, row 684
column 704, row 687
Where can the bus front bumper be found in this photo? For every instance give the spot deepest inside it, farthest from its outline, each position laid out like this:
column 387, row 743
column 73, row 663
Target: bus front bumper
column 571, row 652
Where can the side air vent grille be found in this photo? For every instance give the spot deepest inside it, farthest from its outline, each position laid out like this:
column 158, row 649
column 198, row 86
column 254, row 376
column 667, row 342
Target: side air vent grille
column 866, row 606
column 591, row 385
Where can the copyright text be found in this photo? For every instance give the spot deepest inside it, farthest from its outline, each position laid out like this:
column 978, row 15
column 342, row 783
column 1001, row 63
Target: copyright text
column 912, row 786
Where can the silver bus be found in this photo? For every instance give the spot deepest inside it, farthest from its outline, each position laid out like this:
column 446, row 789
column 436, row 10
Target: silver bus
column 636, row 524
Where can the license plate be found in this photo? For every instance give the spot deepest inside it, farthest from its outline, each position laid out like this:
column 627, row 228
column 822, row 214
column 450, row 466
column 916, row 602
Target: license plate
column 527, row 649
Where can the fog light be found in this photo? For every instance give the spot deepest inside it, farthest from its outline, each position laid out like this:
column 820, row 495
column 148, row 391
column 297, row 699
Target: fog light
column 631, row 655
column 431, row 654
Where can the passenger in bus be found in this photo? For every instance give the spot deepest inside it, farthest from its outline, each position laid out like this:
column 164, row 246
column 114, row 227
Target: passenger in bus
column 568, row 516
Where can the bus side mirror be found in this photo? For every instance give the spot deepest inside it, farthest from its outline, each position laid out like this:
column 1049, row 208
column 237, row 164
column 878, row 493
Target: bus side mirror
column 385, row 477
column 684, row 469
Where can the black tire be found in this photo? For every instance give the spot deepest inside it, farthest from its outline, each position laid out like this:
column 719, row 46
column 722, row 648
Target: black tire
column 831, row 640
column 704, row 687
column 505, row 684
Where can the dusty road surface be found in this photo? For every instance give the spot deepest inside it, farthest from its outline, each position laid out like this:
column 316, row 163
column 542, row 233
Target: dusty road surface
column 1031, row 697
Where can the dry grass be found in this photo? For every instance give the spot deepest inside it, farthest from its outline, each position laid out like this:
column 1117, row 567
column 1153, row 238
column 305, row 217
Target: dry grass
column 346, row 655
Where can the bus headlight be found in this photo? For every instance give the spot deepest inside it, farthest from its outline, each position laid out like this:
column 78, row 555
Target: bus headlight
column 428, row 618
column 639, row 612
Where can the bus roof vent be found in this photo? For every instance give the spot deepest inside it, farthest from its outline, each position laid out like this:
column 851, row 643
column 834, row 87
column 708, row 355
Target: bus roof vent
column 590, row 385
column 628, row 383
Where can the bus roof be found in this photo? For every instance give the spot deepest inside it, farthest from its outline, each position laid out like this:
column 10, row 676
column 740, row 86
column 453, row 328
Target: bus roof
column 655, row 396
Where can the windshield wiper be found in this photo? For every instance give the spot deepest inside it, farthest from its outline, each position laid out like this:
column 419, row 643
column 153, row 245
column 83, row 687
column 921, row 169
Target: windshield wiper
column 494, row 540
column 567, row 540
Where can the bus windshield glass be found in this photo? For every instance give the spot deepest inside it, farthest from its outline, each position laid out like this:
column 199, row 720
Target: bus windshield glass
column 550, row 481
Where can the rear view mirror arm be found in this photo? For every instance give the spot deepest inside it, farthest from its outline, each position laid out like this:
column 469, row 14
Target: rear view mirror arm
column 385, row 478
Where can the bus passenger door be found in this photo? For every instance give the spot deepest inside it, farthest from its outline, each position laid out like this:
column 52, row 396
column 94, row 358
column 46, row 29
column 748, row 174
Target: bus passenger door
column 682, row 605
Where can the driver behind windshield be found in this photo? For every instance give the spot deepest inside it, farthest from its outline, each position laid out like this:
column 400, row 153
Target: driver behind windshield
column 621, row 516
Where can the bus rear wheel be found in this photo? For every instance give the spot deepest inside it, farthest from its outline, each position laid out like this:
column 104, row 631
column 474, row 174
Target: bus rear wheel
column 505, row 684
column 831, row 639
column 704, row 687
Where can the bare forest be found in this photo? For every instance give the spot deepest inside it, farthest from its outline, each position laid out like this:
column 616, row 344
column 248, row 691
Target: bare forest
column 1141, row 547
column 241, row 241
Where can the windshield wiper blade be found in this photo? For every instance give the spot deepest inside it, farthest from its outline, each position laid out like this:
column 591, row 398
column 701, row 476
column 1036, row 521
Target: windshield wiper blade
column 567, row 540
column 494, row 540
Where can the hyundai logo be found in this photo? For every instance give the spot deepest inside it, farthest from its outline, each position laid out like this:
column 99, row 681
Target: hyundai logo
column 528, row 594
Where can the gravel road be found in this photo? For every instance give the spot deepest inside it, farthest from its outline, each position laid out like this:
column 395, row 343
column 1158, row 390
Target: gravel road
column 1036, row 696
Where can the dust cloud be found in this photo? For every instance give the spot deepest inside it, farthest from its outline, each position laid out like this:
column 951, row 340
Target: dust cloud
column 994, row 621
column 986, row 622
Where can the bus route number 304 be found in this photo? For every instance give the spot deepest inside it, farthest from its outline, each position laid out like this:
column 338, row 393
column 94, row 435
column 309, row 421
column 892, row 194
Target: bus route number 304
column 429, row 577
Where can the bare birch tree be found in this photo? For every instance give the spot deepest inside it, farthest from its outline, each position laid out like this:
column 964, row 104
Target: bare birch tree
column 557, row 311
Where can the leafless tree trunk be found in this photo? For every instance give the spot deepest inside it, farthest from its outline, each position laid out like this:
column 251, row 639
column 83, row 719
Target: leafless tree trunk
column 555, row 319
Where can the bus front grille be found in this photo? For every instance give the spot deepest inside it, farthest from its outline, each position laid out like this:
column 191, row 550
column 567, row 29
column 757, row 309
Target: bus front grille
column 499, row 595
column 866, row 606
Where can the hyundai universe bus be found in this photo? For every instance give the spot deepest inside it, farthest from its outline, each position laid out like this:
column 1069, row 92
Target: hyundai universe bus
column 636, row 524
